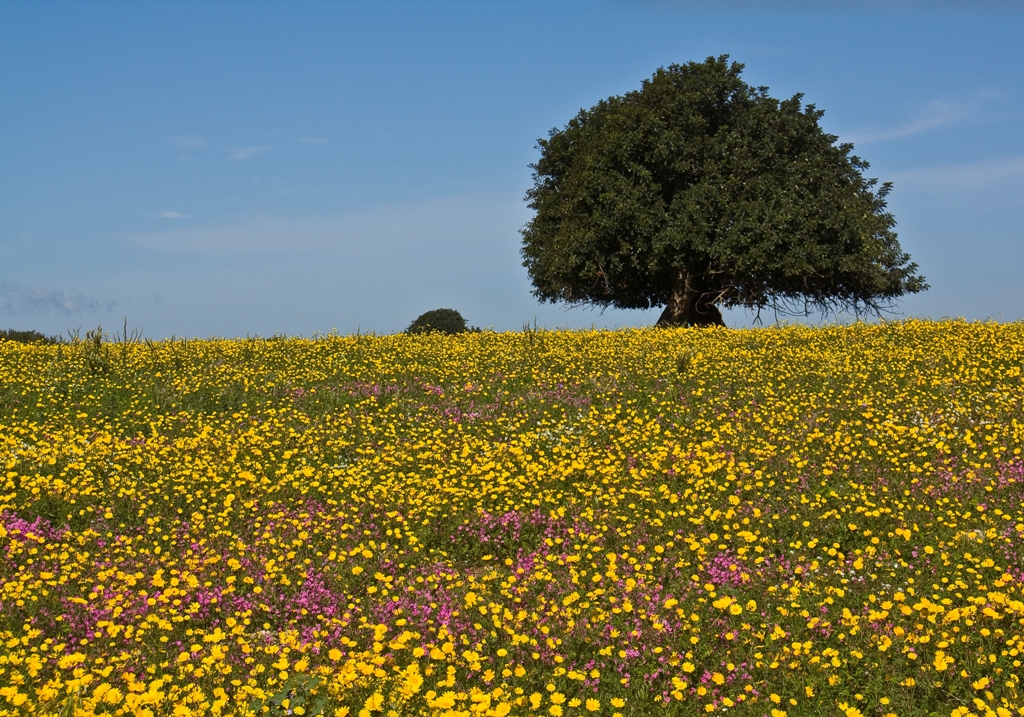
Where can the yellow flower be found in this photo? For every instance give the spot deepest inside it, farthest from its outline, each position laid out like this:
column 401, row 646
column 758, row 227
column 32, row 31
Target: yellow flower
column 443, row 702
column 942, row 661
column 261, row 472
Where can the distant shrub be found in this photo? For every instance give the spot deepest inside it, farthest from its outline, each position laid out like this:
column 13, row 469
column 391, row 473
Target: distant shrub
column 445, row 321
column 28, row 337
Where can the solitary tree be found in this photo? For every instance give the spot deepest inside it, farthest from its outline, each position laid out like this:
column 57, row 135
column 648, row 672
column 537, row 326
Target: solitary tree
column 445, row 321
column 699, row 191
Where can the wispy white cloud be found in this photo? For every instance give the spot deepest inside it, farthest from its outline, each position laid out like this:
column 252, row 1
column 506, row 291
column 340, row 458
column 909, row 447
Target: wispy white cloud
column 190, row 142
column 313, row 140
column 937, row 113
column 376, row 267
column 173, row 215
column 975, row 175
column 380, row 231
column 26, row 300
column 240, row 153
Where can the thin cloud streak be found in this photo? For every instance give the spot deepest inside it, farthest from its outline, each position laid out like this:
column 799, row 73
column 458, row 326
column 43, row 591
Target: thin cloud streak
column 241, row 153
column 973, row 176
column 377, row 267
column 28, row 300
column 190, row 142
column 937, row 113
column 173, row 215
column 361, row 232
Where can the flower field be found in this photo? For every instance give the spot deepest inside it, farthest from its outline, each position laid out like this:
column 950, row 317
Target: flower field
column 782, row 521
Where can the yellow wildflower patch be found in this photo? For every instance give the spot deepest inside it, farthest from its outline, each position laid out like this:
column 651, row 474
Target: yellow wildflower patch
column 790, row 521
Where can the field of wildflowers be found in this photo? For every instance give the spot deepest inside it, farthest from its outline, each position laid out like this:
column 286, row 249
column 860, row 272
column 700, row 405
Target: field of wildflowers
column 781, row 521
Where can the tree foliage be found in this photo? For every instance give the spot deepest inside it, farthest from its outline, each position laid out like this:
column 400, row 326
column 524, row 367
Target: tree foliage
column 28, row 336
column 445, row 321
column 699, row 191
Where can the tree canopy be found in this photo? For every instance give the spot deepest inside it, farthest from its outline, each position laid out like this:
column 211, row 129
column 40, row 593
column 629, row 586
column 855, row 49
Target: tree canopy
column 445, row 321
column 699, row 191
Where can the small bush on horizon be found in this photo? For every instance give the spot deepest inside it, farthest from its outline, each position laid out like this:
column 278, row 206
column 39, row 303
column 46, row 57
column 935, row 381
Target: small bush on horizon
column 29, row 337
column 445, row 321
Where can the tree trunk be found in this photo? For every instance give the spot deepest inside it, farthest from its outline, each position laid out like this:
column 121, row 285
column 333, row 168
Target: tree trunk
column 689, row 305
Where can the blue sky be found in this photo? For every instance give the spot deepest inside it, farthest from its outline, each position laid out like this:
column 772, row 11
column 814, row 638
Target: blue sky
column 216, row 168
